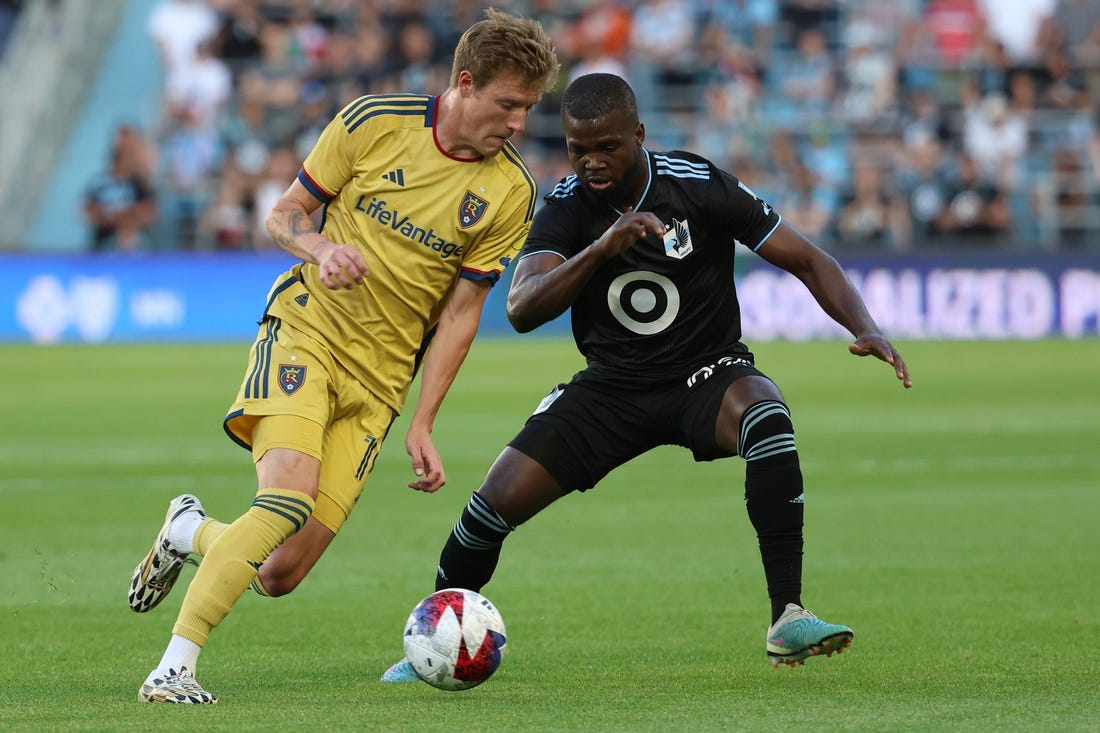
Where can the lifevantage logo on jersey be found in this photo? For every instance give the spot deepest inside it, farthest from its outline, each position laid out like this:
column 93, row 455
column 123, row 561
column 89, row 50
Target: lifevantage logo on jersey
column 678, row 240
column 378, row 210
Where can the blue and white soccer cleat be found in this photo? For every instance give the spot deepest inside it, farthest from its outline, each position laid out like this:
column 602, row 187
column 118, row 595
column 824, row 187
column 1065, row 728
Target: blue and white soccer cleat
column 799, row 634
column 176, row 687
column 157, row 573
column 401, row 672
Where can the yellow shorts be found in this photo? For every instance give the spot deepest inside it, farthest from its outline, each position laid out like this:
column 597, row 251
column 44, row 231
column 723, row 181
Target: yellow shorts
column 310, row 404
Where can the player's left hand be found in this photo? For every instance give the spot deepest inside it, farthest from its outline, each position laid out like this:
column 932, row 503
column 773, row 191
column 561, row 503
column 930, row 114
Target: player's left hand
column 875, row 344
column 426, row 461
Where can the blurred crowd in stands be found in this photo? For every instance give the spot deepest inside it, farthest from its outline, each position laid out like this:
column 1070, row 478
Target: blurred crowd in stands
column 870, row 125
column 9, row 11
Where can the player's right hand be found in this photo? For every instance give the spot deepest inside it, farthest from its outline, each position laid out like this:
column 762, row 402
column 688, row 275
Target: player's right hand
column 342, row 266
column 875, row 344
column 628, row 229
column 426, row 462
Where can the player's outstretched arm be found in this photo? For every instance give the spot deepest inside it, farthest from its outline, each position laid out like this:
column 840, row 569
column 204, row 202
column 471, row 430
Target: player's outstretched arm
column 834, row 292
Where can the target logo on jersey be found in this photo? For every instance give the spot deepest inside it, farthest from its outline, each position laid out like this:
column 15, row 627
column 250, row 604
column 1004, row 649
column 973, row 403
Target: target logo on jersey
column 455, row 639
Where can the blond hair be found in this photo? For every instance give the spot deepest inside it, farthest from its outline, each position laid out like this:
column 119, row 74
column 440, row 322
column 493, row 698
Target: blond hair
column 505, row 43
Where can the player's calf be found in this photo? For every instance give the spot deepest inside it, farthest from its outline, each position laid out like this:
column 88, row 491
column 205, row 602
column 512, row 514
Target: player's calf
column 473, row 548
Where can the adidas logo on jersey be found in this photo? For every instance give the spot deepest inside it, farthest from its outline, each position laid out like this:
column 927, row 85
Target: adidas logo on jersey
column 397, row 176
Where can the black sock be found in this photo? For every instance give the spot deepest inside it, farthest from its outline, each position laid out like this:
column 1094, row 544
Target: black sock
column 773, row 497
column 471, row 553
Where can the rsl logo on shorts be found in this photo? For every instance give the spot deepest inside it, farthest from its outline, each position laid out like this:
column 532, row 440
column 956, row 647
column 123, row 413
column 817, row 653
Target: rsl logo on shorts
column 471, row 210
column 291, row 377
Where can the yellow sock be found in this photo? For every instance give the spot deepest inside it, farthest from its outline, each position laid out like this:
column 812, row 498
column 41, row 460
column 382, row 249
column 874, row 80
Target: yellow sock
column 210, row 530
column 230, row 566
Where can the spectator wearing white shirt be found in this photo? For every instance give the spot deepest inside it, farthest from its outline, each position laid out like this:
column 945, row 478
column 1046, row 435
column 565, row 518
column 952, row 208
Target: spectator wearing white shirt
column 203, row 85
column 996, row 138
column 178, row 27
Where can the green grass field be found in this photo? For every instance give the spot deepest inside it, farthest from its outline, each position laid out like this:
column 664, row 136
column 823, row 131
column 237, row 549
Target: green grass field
column 954, row 526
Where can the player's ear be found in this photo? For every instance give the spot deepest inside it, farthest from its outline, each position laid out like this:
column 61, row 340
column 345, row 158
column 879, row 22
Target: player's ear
column 465, row 83
column 639, row 133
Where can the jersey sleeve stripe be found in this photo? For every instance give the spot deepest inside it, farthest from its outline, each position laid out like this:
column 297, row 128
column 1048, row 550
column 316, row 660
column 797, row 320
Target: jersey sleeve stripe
column 512, row 155
column 373, row 106
column 778, row 221
column 313, row 187
column 469, row 273
column 525, row 255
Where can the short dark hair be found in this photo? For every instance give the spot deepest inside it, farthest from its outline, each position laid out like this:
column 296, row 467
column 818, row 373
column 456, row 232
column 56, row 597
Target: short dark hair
column 592, row 96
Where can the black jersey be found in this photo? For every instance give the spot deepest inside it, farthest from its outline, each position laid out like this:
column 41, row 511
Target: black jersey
column 661, row 307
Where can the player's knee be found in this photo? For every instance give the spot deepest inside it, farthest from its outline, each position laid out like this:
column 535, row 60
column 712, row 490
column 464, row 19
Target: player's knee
column 518, row 488
column 480, row 527
column 498, row 500
column 766, row 431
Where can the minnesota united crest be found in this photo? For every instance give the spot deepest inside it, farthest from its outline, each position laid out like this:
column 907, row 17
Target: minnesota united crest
column 471, row 210
column 291, row 377
column 678, row 240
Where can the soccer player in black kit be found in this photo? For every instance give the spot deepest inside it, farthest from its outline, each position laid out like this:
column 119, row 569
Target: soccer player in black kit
column 640, row 246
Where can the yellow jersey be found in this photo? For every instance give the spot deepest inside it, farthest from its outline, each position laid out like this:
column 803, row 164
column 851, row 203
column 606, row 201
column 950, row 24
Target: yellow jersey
column 421, row 218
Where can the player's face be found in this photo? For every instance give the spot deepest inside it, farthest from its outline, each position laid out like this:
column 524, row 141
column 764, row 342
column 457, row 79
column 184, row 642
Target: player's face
column 607, row 155
column 492, row 113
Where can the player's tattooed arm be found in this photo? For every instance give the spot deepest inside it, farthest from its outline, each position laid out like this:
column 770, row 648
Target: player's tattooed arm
column 290, row 225
column 297, row 224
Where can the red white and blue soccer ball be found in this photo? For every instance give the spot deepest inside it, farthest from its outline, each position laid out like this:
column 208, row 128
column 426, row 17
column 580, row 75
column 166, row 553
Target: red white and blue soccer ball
column 455, row 639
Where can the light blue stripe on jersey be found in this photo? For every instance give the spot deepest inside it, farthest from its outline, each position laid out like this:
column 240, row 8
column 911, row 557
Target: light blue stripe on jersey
column 680, row 168
column 542, row 252
column 566, row 187
column 769, row 234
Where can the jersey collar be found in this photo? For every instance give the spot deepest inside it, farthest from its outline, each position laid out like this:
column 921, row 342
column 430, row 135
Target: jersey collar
column 648, row 183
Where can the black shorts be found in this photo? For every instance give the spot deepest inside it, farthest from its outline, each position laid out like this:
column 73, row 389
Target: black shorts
column 584, row 429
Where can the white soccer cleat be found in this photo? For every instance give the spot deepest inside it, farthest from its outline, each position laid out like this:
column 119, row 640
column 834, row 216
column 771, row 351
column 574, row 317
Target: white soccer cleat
column 176, row 688
column 157, row 573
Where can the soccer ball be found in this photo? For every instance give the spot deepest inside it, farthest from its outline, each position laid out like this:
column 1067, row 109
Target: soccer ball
column 454, row 639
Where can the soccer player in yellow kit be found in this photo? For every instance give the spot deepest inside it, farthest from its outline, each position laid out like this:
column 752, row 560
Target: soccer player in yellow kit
column 425, row 203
